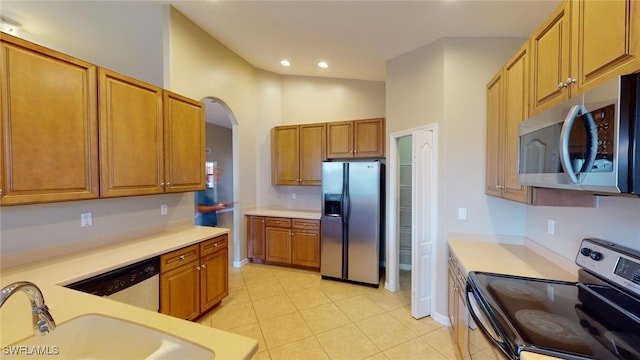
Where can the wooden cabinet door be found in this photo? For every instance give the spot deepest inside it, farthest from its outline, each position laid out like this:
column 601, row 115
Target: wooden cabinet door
column 311, row 153
column 605, row 40
column 179, row 291
column 49, row 125
column 368, row 138
column 452, row 297
column 256, row 238
column 184, row 143
column 516, row 109
column 284, row 155
column 550, row 60
column 131, row 136
column 214, row 279
column 462, row 320
column 305, row 248
column 495, row 119
column 278, row 245
column 340, row 140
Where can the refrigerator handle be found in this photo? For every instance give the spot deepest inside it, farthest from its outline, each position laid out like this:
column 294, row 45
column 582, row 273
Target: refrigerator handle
column 346, row 203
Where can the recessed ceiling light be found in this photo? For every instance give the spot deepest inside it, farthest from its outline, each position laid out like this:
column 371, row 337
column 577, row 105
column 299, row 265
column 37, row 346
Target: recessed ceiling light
column 285, row 62
column 323, row 64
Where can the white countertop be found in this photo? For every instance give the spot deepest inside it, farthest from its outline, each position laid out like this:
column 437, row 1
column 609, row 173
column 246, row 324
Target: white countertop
column 286, row 213
column 507, row 259
column 66, row 304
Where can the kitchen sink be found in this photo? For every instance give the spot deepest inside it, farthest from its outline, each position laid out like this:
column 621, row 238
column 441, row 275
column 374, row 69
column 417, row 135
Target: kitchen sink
column 95, row 336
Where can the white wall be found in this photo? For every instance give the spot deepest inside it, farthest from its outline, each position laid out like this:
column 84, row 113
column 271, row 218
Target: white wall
column 444, row 83
column 616, row 219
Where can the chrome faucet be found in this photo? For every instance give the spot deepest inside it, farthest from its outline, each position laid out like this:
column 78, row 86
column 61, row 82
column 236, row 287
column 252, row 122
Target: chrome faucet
column 42, row 320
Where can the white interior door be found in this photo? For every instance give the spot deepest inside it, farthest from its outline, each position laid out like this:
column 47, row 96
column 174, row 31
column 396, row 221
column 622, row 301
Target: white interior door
column 423, row 204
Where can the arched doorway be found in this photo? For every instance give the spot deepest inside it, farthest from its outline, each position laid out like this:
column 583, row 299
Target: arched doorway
column 221, row 154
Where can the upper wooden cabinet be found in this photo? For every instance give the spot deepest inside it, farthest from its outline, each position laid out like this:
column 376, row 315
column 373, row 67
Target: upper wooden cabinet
column 297, row 153
column 550, row 59
column 495, row 126
column 583, row 43
column 356, row 139
column 49, row 132
column 72, row 131
column 152, row 141
column 606, row 38
column 184, row 143
column 131, row 132
column 507, row 106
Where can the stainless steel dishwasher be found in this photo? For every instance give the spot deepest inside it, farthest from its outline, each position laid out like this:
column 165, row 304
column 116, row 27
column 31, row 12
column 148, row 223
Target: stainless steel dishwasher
column 136, row 284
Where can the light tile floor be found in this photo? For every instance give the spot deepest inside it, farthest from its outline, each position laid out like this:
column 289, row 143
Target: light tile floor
column 294, row 314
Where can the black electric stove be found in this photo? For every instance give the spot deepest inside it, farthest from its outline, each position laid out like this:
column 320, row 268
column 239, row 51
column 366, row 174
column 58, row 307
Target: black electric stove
column 596, row 318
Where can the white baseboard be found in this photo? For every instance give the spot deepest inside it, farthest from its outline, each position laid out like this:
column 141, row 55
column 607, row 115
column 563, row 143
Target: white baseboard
column 239, row 264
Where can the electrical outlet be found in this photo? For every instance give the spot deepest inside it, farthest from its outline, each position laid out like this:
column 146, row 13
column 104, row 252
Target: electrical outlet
column 293, row 196
column 462, row 213
column 551, row 226
column 85, row 219
column 163, row 209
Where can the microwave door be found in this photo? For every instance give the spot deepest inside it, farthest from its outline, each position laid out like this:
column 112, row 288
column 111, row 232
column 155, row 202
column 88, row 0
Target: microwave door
column 578, row 146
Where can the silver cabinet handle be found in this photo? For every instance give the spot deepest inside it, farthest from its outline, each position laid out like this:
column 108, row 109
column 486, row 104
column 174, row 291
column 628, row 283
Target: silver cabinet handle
column 198, row 268
column 562, row 85
column 181, row 257
column 570, row 81
column 168, row 184
column 203, row 266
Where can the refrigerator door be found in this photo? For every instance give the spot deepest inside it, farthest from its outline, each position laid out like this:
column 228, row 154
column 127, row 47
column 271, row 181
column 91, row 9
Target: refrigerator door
column 332, row 222
column 363, row 214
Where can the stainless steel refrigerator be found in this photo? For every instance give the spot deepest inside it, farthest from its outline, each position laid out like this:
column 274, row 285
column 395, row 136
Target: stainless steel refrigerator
column 352, row 226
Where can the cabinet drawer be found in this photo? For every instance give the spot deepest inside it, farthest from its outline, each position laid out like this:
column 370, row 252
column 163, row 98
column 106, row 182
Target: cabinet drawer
column 179, row 257
column 212, row 245
column 305, row 224
column 278, row 222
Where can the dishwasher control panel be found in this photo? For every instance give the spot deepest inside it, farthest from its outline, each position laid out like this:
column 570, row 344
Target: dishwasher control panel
column 117, row 280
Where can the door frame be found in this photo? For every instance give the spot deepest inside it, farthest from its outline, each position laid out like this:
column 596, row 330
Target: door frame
column 393, row 243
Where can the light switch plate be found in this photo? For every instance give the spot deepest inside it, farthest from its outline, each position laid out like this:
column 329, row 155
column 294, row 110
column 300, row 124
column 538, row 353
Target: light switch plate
column 551, row 226
column 86, row 219
column 462, row 213
column 163, row 209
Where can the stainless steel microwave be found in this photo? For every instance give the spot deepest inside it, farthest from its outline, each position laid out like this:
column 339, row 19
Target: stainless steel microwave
column 591, row 142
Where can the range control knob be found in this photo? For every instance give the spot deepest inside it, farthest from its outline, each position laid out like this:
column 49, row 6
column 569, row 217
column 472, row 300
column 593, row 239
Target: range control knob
column 595, row 255
column 585, row 251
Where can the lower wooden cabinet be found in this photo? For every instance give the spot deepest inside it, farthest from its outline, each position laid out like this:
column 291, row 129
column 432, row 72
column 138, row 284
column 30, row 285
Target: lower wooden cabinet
column 458, row 313
column 195, row 278
column 255, row 233
column 283, row 241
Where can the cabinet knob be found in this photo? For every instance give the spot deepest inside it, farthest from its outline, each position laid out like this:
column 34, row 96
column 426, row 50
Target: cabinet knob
column 215, row 245
column 181, row 257
column 162, row 184
column 570, row 81
column 198, row 268
column 562, row 86
column 168, row 184
column 203, row 266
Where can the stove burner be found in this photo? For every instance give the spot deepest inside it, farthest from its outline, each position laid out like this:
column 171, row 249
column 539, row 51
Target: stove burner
column 552, row 326
column 517, row 290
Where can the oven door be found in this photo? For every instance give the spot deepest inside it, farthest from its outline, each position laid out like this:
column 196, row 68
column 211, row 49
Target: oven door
column 484, row 341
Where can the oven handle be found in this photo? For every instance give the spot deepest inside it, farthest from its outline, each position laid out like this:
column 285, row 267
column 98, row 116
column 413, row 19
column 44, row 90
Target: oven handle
column 483, row 322
column 565, row 134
